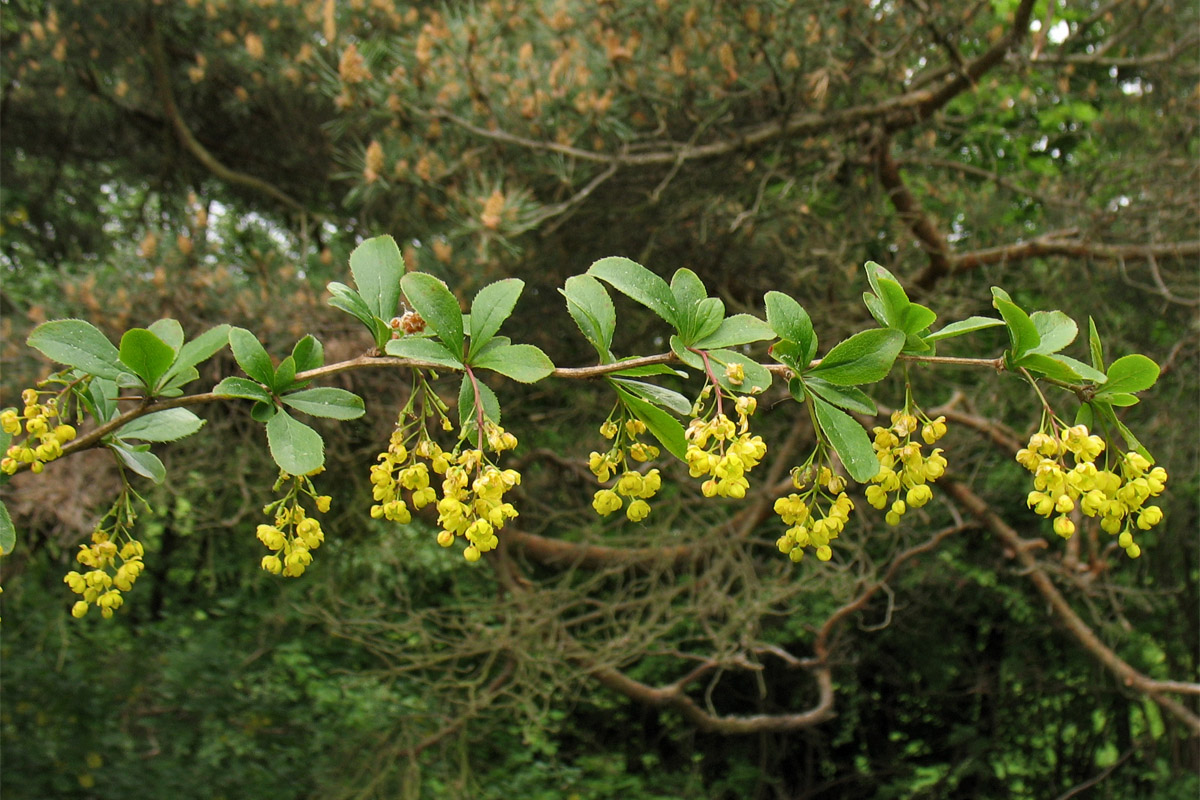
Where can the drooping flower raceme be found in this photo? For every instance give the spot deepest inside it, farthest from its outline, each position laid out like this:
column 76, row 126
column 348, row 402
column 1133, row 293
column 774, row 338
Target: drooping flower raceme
column 1115, row 494
column 630, row 484
column 905, row 472
column 44, row 438
column 722, row 451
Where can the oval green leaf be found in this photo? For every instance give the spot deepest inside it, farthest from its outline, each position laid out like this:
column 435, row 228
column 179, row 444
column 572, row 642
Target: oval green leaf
column 492, row 305
column 296, row 448
column 377, row 267
column 423, row 349
column 865, row 357
column 849, row 440
column 77, row 344
column 162, row 426
column 632, row 279
column 243, row 388
column 1131, row 373
column 328, row 401
column 146, row 355
column 251, row 356
column 521, row 362
column 434, row 302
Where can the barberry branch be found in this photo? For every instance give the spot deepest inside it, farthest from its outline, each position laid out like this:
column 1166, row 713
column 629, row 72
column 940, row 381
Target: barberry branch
column 1157, row 690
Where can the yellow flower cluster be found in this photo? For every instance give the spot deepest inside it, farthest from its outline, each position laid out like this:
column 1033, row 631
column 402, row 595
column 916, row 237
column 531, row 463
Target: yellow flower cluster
column 724, row 451
column 103, row 583
column 472, row 503
column 1116, row 496
column 810, row 525
column 904, row 471
column 294, row 534
column 630, row 484
column 43, row 442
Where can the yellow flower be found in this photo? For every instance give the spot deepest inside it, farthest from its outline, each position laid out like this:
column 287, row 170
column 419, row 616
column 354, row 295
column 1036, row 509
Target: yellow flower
column 606, row 501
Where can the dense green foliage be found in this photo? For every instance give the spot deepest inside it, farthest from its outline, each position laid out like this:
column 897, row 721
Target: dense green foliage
column 217, row 161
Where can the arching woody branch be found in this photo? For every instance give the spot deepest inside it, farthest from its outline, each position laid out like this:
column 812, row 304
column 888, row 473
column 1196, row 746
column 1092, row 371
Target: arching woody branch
column 1157, row 690
column 674, row 695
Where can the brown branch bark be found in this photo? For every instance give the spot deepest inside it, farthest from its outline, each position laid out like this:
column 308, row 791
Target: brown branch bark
column 1053, row 246
column 894, row 114
column 162, row 81
column 922, row 227
column 821, row 645
column 558, row 553
column 1155, row 689
column 674, row 697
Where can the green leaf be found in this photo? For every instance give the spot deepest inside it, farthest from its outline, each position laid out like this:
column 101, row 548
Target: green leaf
column 101, row 398
column 790, row 354
column 242, row 388
column 790, row 321
column 170, row 331
column 849, row 439
column 308, row 353
column 687, row 290
column 162, row 426
column 592, row 309
column 968, row 325
column 865, row 357
column 1050, row 366
column 140, row 460
column 434, row 302
column 1055, row 330
column 1121, row 399
column 875, row 306
column 917, row 318
column 494, row 343
column 1023, row 335
column 1105, row 410
column 659, row 395
column 521, row 362
column 77, row 344
column 649, row 369
column 422, row 349
column 197, row 350
column 263, row 411
column 1095, row 349
column 344, row 298
column 1083, row 370
column 251, row 356
column 847, row 397
column 296, row 448
column 467, row 415
column 710, row 313
column 895, row 302
column 877, row 272
column 736, row 330
column 377, row 267
column 492, row 305
column 1131, row 373
column 638, row 283
column 285, row 376
column 146, row 355
column 1085, row 416
column 328, row 402
column 8, row 533
column 915, row 345
column 661, row 425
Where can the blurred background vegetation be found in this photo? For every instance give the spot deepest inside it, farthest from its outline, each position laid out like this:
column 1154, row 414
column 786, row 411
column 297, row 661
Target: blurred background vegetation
column 217, row 160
